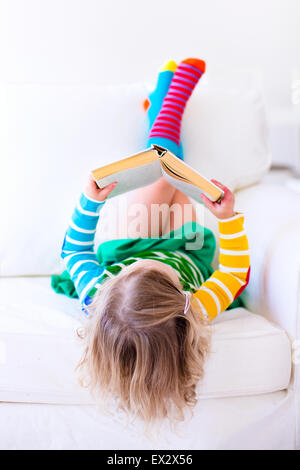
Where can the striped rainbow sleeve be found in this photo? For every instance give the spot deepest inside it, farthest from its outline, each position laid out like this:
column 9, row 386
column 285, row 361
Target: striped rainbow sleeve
column 78, row 247
column 227, row 283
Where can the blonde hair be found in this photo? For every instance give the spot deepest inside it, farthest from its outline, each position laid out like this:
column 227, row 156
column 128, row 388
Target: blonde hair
column 141, row 349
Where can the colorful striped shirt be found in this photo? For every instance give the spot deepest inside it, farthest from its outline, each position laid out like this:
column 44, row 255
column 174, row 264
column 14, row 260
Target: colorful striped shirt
column 228, row 282
column 209, row 298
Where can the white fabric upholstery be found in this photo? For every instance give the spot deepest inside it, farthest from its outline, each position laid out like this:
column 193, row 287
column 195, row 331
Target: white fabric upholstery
column 40, row 350
column 253, row 422
column 274, row 233
column 52, row 136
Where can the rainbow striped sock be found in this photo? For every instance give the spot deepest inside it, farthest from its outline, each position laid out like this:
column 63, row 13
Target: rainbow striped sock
column 166, row 127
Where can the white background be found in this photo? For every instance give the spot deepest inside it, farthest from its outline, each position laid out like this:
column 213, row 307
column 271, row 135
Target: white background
column 116, row 41
column 96, row 41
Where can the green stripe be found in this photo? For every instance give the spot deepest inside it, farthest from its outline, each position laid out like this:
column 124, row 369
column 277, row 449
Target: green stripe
column 188, row 273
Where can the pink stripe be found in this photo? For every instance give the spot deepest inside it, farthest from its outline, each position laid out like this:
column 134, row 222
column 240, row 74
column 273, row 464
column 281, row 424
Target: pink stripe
column 167, row 125
column 169, row 115
column 182, row 90
column 177, row 105
column 187, row 76
column 178, row 95
column 159, row 128
column 182, row 82
column 187, row 79
column 190, row 68
column 173, row 100
column 164, row 135
column 179, row 99
column 175, row 109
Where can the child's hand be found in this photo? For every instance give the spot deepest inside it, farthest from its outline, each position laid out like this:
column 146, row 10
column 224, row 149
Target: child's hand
column 92, row 190
column 223, row 209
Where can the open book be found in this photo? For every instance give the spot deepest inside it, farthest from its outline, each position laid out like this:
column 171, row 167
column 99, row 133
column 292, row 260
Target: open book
column 148, row 166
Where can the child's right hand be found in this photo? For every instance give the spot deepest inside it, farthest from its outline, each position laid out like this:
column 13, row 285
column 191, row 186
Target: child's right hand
column 223, row 209
column 92, row 191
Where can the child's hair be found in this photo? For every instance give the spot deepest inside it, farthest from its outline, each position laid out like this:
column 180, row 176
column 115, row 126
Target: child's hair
column 140, row 347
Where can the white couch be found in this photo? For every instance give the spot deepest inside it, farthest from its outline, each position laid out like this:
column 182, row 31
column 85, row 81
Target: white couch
column 51, row 137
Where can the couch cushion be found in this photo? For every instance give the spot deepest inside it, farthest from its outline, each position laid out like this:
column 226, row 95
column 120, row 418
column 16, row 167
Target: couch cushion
column 39, row 349
column 52, row 136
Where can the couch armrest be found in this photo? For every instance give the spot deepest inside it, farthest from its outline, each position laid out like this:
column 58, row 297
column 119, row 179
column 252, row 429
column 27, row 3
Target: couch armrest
column 273, row 227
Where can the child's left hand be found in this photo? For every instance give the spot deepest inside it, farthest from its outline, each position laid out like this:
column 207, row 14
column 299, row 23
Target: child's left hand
column 92, row 190
column 223, row 209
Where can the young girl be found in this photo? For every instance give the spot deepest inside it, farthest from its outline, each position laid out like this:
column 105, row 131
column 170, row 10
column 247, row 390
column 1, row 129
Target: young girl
column 148, row 300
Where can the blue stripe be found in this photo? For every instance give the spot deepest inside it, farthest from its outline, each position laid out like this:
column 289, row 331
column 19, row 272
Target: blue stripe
column 188, row 66
column 87, row 223
column 158, row 121
column 184, row 79
column 86, row 278
column 172, row 90
column 90, row 205
column 91, row 219
column 190, row 74
column 87, row 265
column 176, row 97
column 80, row 236
column 173, row 110
column 183, row 86
column 171, row 101
column 74, row 247
column 78, row 256
column 165, row 113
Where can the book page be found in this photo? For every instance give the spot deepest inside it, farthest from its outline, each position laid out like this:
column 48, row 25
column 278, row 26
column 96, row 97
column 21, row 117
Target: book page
column 132, row 178
column 183, row 171
column 187, row 188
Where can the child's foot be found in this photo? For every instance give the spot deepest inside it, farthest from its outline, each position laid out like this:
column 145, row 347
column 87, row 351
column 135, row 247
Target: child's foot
column 153, row 103
column 166, row 128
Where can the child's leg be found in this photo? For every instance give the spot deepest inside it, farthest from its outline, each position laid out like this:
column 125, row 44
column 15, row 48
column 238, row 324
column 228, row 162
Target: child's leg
column 154, row 102
column 167, row 125
column 160, row 192
column 149, row 209
column 149, row 213
column 157, row 209
column 181, row 211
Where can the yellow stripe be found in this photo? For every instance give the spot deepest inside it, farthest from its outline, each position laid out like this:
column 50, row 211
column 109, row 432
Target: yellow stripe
column 220, row 293
column 208, row 303
column 229, row 280
column 223, row 287
column 233, row 226
column 240, row 243
column 235, row 261
column 242, row 276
